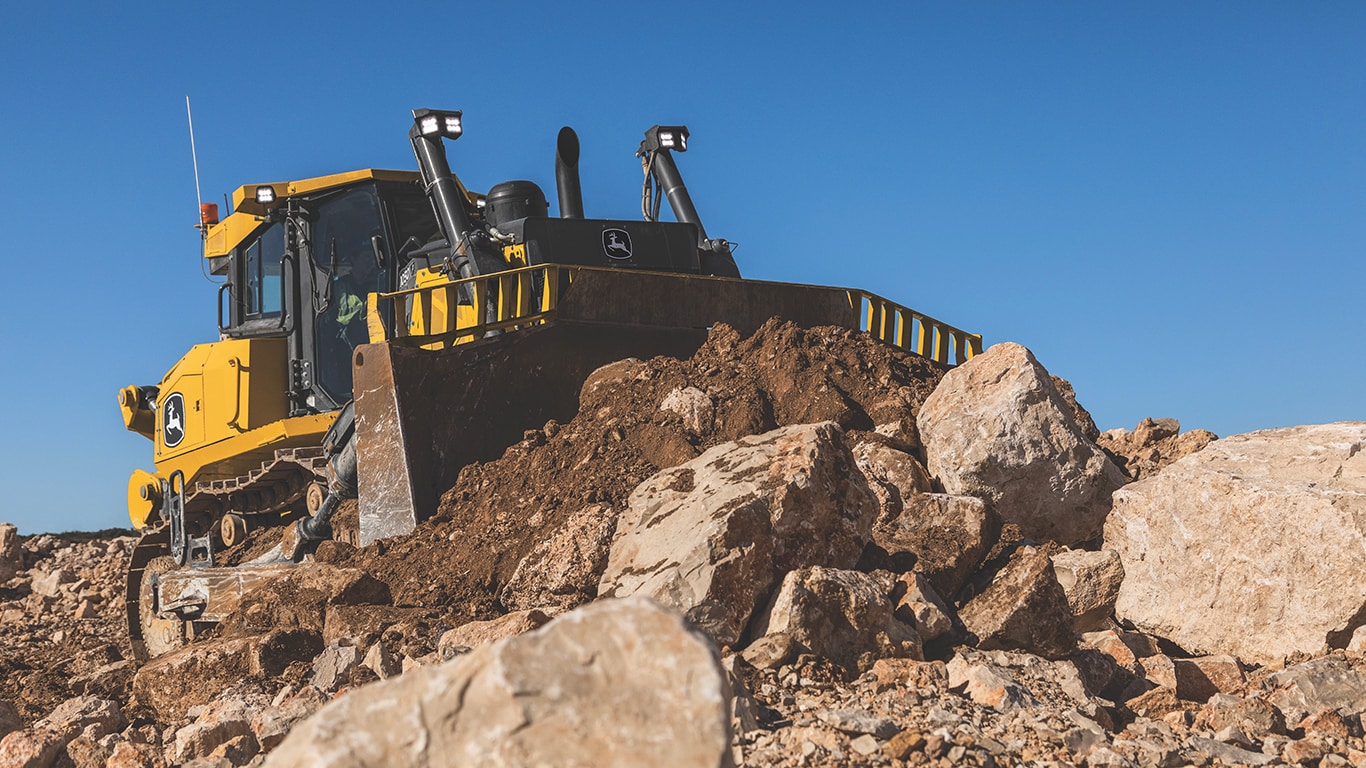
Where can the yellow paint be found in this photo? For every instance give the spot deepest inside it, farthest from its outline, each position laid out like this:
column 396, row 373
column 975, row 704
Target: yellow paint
column 515, row 254
column 144, row 496
column 135, row 417
column 247, row 214
column 234, row 416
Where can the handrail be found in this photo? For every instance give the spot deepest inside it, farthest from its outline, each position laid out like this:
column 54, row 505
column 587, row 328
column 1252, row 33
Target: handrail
column 910, row 330
column 529, row 296
column 509, row 299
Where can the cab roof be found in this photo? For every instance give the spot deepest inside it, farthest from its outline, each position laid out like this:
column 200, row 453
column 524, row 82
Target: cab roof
column 227, row 234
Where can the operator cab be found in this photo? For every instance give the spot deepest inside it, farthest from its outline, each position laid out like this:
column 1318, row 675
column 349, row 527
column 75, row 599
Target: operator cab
column 304, row 272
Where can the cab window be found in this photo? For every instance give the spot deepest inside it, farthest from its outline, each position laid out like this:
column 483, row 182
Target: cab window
column 260, row 279
column 347, row 269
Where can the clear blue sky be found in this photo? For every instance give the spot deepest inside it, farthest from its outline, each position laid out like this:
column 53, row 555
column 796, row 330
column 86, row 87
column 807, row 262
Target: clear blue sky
column 1166, row 203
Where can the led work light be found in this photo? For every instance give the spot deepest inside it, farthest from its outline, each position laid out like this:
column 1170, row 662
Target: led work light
column 673, row 137
column 437, row 122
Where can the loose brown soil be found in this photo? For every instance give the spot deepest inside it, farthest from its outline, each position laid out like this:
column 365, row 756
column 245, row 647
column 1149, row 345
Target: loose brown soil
column 458, row 560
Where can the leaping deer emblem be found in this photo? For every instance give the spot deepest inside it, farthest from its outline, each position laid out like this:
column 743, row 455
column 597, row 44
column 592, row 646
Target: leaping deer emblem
column 616, row 244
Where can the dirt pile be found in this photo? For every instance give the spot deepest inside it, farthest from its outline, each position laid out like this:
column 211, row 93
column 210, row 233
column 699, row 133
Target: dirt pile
column 636, row 418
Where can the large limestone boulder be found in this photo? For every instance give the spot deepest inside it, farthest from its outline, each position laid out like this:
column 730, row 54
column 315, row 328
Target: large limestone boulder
column 191, row 676
column 713, row 536
column 615, row 683
column 997, row 428
column 1251, row 547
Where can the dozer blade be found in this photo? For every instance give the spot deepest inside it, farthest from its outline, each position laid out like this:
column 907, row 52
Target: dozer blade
column 423, row 414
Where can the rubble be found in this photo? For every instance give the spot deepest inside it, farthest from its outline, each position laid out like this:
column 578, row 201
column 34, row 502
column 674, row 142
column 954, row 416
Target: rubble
column 1151, row 445
column 866, row 617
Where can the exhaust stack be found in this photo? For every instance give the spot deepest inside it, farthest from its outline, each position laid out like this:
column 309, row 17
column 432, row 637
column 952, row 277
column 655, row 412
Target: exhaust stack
column 567, row 174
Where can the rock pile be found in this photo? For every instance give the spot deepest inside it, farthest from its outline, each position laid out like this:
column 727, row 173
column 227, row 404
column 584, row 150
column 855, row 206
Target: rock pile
column 797, row 549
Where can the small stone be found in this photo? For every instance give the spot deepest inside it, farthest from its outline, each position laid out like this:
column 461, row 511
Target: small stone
column 903, row 744
column 50, row 584
column 380, row 661
column 1329, row 723
column 1306, row 751
column 31, row 748
column 86, row 610
column 477, row 633
column 1230, row 754
column 693, row 406
column 772, row 651
column 332, row 669
column 853, row 721
column 987, row 684
column 1232, row 735
column 864, row 745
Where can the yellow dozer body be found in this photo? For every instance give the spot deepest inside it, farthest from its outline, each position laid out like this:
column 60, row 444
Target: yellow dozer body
column 379, row 330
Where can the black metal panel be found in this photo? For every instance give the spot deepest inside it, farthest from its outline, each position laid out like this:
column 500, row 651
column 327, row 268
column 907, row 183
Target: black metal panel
column 663, row 246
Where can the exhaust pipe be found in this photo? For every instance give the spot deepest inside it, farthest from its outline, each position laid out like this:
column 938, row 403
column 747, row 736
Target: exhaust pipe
column 567, row 174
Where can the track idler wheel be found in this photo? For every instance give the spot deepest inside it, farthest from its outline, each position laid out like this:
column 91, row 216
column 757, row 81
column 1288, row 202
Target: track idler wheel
column 314, row 497
column 233, row 529
column 159, row 635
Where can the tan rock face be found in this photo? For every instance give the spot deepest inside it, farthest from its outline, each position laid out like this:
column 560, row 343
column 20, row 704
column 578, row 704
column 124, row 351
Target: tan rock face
column 1152, row 445
column 844, row 616
column 1091, row 581
column 997, row 428
column 945, row 536
column 1244, row 547
column 477, row 633
column 616, row 683
column 563, row 570
column 1024, row 608
column 712, row 536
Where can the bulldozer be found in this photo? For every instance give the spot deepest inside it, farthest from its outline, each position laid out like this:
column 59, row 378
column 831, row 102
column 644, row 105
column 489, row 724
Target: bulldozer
column 379, row 330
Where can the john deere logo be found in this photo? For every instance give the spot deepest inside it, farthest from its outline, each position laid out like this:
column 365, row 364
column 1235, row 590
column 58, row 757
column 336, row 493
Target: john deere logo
column 173, row 420
column 616, row 243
